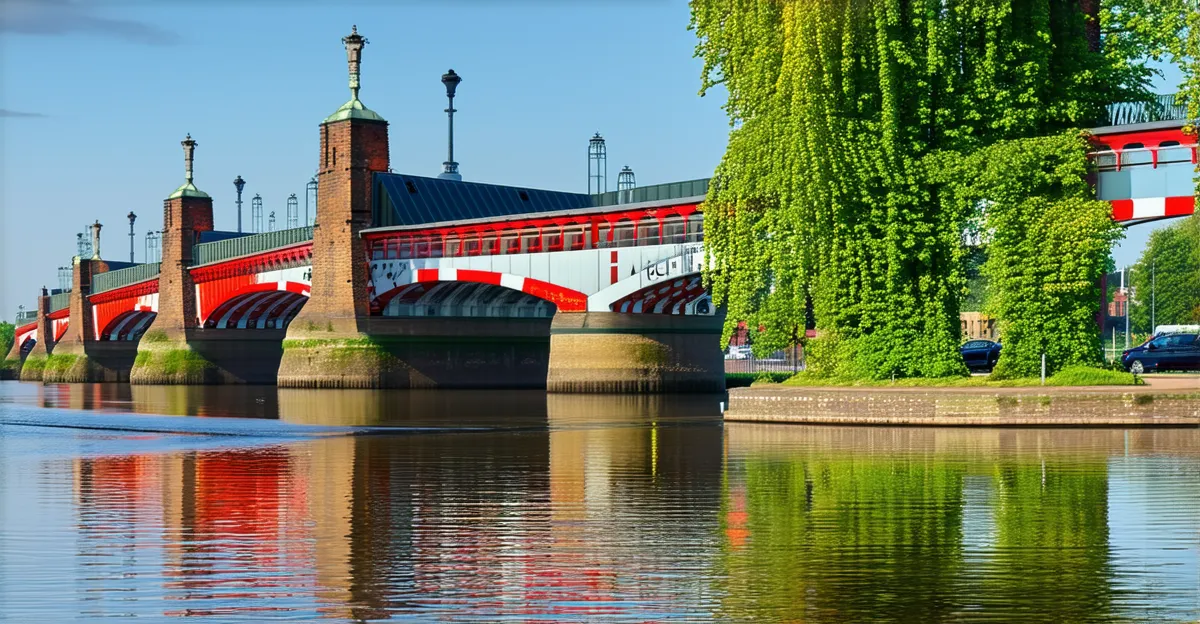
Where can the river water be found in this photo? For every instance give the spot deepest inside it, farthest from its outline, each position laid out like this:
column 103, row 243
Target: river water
column 252, row 504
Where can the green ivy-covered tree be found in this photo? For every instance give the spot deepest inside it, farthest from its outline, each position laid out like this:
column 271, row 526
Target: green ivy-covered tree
column 826, row 193
column 1170, row 269
column 1049, row 246
column 6, row 337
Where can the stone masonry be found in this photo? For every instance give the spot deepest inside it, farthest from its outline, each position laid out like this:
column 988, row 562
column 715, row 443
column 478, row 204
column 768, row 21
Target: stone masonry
column 35, row 362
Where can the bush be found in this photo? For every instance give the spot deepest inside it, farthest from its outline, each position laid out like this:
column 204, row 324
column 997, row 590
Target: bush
column 1092, row 376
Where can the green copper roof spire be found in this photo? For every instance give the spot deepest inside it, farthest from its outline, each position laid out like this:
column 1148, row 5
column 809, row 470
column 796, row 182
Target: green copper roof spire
column 354, row 109
column 188, row 189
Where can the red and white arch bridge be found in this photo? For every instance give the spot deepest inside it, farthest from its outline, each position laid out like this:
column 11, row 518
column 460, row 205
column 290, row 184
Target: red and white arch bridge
column 636, row 258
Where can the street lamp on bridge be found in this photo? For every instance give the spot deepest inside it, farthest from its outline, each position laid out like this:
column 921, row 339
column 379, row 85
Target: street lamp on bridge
column 450, row 168
column 239, row 184
column 132, row 217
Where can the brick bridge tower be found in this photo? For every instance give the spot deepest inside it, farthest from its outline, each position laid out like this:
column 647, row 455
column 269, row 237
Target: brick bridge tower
column 35, row 362
column 186, row 213
column 326, row 345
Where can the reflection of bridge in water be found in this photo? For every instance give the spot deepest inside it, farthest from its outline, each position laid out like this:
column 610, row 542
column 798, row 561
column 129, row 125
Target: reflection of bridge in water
column 491, row 523
column 628, row 507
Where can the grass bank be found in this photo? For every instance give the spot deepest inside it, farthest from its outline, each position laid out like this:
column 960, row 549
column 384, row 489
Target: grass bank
column 1070, row 376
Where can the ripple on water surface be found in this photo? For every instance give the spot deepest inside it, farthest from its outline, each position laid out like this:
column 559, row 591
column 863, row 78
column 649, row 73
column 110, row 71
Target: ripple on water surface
column 577, row 509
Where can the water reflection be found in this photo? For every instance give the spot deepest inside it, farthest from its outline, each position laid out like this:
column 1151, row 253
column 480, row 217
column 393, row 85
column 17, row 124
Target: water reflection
column 841, row 524
column 591, row 508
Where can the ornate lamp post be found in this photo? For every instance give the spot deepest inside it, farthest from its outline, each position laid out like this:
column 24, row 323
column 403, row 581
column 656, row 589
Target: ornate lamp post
column 354, row 44
column 450, row 168
column 239, row 184
column 132, row 217
column 96, row 240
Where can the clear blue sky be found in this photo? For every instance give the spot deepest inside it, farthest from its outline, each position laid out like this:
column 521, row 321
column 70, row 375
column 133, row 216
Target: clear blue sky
column 97, row 95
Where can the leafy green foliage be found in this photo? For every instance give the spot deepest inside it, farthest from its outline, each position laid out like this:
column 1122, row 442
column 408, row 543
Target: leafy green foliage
column 832, row 192
column 1049, row 246
column 1167, row 277
column 1069, row 376
column 1091, row 376
column 6, row 336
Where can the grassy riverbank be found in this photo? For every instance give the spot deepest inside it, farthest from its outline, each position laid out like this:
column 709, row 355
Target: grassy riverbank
column 1070, row 376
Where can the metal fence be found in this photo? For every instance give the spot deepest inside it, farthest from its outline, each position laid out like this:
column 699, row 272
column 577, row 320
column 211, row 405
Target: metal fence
column 742, row 360
column 60, row 301
column 1160, row 108
column 123, row 277
column 25, row 317
column 217, row 251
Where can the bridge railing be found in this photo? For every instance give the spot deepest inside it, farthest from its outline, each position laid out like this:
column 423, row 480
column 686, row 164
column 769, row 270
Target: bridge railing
column 123, row 277
column 654, row 192
column 25, row 316
column 60, row 301
column 1160, row 108
column 205, row 253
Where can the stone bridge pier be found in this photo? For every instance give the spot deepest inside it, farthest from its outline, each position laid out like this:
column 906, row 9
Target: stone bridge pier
column 175, row 349
column 612, row 352
column 78, row 356
column 35, row 360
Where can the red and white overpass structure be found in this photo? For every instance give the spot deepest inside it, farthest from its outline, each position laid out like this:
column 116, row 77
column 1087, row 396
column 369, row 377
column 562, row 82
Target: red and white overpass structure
column 635, row 258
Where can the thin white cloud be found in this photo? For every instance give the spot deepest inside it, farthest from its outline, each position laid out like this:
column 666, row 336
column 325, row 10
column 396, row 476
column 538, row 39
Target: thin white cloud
column 4, row 112
column 71, row 17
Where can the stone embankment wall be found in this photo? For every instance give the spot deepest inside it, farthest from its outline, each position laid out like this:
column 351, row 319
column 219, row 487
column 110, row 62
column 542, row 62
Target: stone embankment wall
column 987, row 407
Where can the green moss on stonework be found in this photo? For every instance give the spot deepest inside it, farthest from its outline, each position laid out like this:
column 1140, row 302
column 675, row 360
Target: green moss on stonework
column 60, row 362
column 172, row 366
column 154, row 335
column 34, row 365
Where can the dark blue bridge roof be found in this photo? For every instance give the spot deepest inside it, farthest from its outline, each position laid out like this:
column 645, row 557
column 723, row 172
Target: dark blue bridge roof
column 412, row 200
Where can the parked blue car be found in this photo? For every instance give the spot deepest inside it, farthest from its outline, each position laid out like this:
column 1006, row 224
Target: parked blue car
column 1170, row 352
column 980, row 355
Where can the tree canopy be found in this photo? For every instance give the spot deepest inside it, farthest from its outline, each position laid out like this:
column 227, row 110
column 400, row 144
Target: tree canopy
column 6, row 336
column 846, row 116
column 1167, row 277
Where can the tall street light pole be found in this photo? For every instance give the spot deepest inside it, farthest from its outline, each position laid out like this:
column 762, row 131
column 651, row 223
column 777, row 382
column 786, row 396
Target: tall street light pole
column 1153, row 283
column 132, row 218
column 239, row 184
column 1128, row 300
column 450, row 168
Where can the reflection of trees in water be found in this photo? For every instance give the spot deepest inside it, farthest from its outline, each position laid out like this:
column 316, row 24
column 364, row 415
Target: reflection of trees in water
column 1051, row 547
column 817, row 532
column 832, row 538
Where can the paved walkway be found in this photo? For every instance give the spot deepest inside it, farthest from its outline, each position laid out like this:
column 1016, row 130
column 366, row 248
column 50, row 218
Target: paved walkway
column 1168, row 381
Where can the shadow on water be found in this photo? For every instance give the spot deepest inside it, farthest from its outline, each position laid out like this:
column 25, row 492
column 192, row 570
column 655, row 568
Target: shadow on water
column 459, row 409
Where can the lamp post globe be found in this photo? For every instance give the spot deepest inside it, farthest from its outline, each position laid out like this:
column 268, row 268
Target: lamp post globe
column 451, row 80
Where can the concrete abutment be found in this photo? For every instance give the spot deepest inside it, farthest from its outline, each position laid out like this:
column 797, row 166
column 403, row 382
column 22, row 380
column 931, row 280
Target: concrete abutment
column 419, row 352
column 610, row 352
column 199, row 356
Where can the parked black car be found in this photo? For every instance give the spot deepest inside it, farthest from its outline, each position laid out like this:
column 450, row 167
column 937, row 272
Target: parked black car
column 1170, row 352
column 980, row 355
